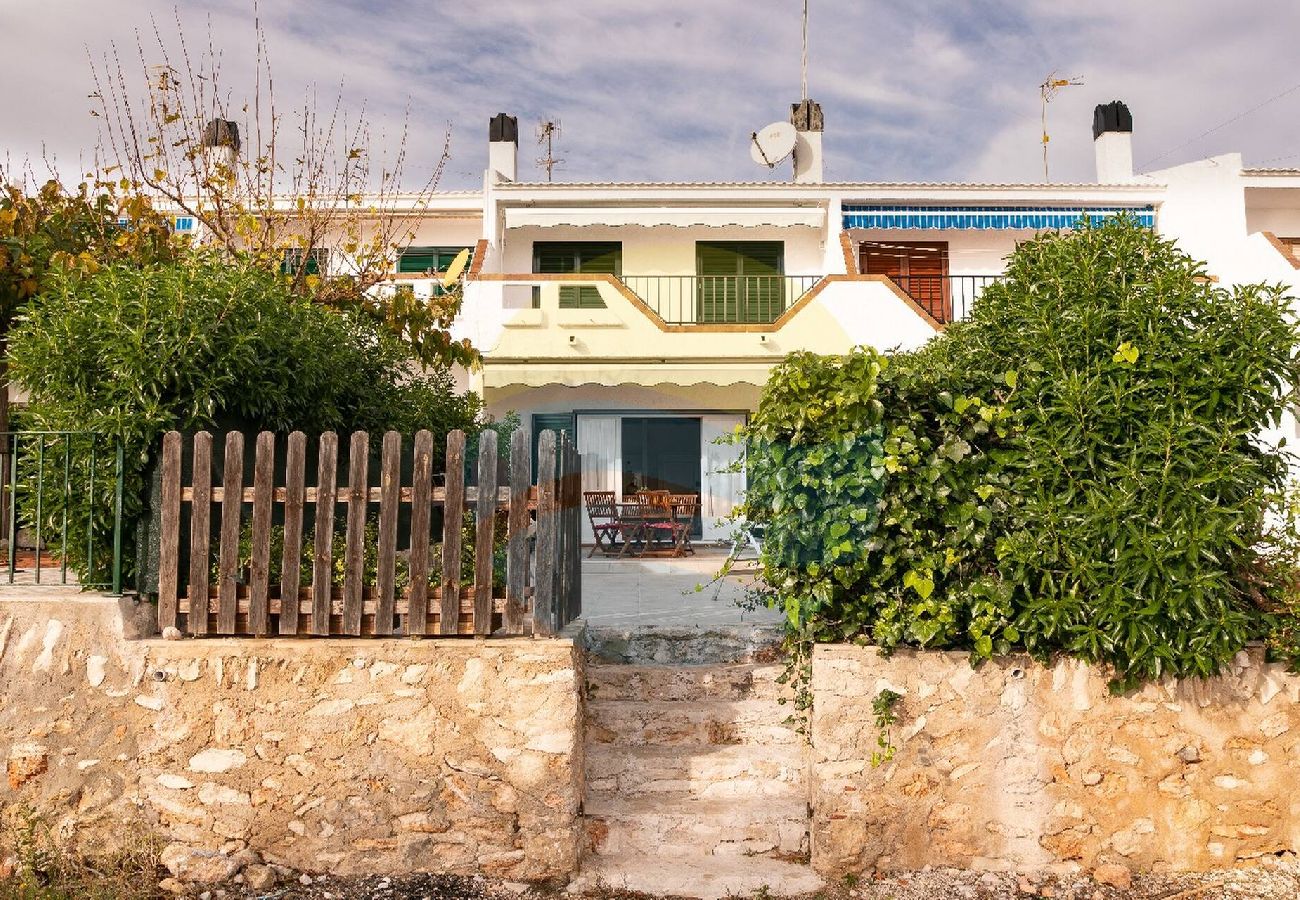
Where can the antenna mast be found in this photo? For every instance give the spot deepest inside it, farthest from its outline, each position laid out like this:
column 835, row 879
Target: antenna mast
column 803, row 60
column 1050, row 87
column 547, row 131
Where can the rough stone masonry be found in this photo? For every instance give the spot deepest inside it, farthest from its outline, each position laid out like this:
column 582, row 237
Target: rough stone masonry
column 1016, row 765
column 344, row 756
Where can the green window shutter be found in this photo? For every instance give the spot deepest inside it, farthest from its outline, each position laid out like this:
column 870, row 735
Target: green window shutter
column 557, row 422
column 427, row 259
column 740, row 281
column 566, row 257
column 315, row 260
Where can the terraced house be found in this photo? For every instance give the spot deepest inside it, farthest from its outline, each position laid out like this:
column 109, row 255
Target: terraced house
column 644, row 318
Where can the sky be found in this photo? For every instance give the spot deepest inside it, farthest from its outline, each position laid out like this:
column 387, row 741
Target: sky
column 912, row 90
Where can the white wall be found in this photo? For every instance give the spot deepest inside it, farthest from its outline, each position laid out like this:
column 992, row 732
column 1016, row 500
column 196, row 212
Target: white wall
column 667, row 250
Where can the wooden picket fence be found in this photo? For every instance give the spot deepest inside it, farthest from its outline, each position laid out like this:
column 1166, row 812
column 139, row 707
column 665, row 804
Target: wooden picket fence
column 542, row 590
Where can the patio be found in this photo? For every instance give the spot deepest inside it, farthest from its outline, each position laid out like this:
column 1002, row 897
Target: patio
column 662, row 591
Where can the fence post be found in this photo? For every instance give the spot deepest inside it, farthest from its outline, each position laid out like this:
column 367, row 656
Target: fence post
column 390, row 495
column 170, row 532
column 232, row 517
column 484, row 531
column 453, row 512
column 547, row 536
column 417, row 604
column 13, row 509
column 517, row 555
column 354, row 565
column 117, row 518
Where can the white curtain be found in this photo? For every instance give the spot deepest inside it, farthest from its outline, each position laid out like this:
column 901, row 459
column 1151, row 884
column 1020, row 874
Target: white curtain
column 722, row 489
column 599, row 442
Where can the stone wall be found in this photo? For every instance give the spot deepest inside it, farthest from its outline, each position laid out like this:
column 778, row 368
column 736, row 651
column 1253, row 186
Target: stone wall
column 345, row 756
column 1017, row 765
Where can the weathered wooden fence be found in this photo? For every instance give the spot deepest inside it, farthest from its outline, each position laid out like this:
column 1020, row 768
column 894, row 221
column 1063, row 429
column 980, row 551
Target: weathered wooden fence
column 220, row 581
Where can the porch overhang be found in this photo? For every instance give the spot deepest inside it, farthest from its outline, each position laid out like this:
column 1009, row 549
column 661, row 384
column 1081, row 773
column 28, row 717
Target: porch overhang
column 675, row 217
column 612, row 372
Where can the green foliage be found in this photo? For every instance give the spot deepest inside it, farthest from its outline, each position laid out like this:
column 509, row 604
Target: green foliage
column 55, row 230
column 134, row 351
column 44, row 869
column 1076, row 469
column 1276, row 581
column 884, row 708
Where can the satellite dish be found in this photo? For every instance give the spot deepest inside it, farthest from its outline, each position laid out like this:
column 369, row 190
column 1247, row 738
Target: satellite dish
column 772, row 144
column 457, row 266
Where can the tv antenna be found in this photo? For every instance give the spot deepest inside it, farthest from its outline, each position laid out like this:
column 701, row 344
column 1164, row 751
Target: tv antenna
column 1050, row 87
column 803, row 58
column 772, row 143
column 547, row 131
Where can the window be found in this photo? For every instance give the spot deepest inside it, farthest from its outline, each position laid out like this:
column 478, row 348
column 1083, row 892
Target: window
column 567, row 257
column 313, row 262
column 740, row 281
column 427, row 259
column 920, row 268
column 184, row 224
column 557, row 422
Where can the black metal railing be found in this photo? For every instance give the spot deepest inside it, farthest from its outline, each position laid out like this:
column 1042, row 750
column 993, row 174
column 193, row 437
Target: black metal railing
column 948, row 298
column 61, row 504
column 719, row 299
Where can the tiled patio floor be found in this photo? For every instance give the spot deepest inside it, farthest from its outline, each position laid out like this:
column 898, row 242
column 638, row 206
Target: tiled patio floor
column 662, row 591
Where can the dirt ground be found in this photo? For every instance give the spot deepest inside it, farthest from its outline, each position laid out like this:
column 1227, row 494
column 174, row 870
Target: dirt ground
column 1274, row 879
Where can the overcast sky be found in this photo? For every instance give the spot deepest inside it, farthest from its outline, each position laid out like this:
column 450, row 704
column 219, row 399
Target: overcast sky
column 924, row 90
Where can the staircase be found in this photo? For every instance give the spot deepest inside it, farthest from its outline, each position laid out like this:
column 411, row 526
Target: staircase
column 696, row 784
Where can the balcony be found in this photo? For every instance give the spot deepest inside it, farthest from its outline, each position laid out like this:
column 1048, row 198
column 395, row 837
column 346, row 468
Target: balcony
column 948, row 298
column 719, row 299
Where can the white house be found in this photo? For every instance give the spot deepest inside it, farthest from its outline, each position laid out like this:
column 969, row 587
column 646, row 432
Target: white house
column 644, row 318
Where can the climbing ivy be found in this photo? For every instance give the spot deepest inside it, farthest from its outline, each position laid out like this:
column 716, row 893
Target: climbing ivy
column 1076, row 469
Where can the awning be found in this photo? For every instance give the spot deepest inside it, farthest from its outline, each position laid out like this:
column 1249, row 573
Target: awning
column 611, row 373
column 946, row 218
column 676, row 217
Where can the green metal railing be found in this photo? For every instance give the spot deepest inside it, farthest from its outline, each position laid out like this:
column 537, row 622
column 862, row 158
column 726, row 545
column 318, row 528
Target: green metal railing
column 720, row 299
column 62, row 507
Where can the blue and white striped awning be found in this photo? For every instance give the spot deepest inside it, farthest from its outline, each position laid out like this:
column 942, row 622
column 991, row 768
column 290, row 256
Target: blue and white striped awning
column 987, row 217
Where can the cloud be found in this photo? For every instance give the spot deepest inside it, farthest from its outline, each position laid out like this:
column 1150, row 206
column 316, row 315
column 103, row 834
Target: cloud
column 926, row 90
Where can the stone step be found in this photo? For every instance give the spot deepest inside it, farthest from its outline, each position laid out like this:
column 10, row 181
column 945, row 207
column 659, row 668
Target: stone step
column 710, row 879
column 686, row 684
column 706, row 723
column 692, row 828
column 676, row 646
column 727, row 771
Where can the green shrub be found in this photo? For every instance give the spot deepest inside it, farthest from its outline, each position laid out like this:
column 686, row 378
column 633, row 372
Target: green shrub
column 134, row 351
column 1076, row 469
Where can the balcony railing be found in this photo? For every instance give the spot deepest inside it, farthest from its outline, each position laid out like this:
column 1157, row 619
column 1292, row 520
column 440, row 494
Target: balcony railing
column 719, row 299
column 946, row 297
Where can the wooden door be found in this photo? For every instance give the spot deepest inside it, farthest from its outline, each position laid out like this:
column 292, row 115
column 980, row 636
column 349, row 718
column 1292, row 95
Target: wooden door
column 920, row 268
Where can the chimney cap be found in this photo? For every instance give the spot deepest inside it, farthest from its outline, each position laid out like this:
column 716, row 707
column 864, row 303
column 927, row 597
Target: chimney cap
column 221, row 133
column 1112, row 116
column 502, row 127
column 806, row 115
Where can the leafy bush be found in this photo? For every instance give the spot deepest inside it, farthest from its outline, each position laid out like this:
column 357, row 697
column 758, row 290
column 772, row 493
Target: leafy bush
column 1076, row 469
column 134, row 351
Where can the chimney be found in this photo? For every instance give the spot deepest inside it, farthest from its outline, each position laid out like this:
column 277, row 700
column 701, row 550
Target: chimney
column 1112, row 139
column 503, row 147
column 806, row 116
column 220, row 143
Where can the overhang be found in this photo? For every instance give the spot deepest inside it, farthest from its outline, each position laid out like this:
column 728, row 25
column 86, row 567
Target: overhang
column 676, row 217
column 611, row 372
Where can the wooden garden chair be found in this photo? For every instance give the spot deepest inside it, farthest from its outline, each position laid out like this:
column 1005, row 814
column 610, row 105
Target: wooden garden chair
column 603, row 515
column 676, row 526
